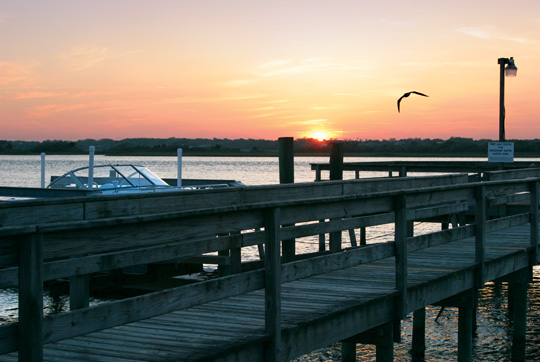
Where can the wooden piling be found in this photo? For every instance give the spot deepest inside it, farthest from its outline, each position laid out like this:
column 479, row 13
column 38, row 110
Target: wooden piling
column 273, row 285
column 465, row 323
column 31, row 299
column 336, row 161
column 286, row 176
column 336, row 173
column 286, row 160
column 518, row 285
column 418, row 350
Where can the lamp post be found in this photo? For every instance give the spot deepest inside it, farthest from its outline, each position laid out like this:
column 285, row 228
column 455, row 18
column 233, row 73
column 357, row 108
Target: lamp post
column 511, row 71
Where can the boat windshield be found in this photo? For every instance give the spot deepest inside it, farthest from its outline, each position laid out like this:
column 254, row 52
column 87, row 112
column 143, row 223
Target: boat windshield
column 109, row 177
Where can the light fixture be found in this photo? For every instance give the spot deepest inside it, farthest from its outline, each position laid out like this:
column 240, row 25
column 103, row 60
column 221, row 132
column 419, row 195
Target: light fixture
column 511, row 69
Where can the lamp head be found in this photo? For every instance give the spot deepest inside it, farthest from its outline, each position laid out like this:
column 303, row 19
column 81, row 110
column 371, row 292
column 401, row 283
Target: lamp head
column 511, row 69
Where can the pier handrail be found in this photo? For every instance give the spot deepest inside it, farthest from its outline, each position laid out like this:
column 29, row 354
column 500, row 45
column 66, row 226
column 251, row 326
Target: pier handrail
column 98, row 207
column 34, row 253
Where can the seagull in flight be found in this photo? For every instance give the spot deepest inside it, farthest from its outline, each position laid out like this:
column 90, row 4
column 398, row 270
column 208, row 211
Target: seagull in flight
column 408, row 94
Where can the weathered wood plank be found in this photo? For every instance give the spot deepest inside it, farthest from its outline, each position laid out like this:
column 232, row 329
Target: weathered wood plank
column 272, row 281
column 30, row 338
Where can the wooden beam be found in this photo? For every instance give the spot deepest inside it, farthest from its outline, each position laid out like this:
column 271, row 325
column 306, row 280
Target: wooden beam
column 465, row 334
column 480, row 233
column 401, row 254
column 30, row 344
column 534, row 192
column 418, row 349
column 273, row 284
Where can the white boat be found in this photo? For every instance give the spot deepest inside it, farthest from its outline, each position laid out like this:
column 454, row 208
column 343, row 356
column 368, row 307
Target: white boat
column 124, row 178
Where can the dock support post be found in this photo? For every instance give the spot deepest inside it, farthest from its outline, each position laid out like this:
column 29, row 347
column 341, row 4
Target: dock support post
column 418, row 350
column 465, row 324
column 520, row 321
column 31, row 299
column 336, row 173
column 286, row 176
column 273, row 284
column 382, row 337
column 466, row 303
column 517, row 297
column 348, row 351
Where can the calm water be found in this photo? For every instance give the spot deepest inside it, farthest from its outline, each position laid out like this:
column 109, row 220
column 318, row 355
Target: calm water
column 492, row 340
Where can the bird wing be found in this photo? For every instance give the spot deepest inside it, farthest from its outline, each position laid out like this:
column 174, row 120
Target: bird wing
column 420, row 94
column 398, row 102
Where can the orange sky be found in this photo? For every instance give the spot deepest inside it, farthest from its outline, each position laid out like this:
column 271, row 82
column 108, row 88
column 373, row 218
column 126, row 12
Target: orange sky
column 266, row 69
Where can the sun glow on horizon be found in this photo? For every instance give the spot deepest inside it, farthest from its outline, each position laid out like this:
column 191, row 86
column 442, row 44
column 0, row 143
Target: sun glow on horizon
column 320, row 135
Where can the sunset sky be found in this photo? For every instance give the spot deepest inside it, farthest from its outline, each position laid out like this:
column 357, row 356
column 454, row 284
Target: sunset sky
column 118, row 69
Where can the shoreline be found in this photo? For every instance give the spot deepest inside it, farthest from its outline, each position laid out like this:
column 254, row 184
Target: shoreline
column 275, row 154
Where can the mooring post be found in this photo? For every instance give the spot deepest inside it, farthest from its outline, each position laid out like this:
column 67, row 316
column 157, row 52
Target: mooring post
column 30, row 335
column 383, row 337
column 336, row 161
column 336, row 173
column 286, row 176
column 418, row 350
column 272, row 284
column 286, row 160
column 518, row 284
column 465, row 324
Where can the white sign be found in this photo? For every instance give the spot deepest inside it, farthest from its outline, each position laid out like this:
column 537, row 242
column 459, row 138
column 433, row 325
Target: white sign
column 501, row 152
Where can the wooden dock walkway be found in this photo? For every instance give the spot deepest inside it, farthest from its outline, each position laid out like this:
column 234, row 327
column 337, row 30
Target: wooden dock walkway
column 276, row 313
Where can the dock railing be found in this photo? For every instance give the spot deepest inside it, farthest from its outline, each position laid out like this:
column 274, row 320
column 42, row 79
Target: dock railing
column 33, row 253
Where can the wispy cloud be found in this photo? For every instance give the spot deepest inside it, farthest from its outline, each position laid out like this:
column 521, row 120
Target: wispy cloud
column 84, row 56
column 17, row 73
column 424, row 65
column 488, row 32
column 36, row 94
column 48, row 109
column 309, row 122
column 238, row 83
column 287, row 67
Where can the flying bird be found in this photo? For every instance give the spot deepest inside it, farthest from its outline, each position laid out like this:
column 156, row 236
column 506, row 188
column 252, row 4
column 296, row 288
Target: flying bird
column 408, row 94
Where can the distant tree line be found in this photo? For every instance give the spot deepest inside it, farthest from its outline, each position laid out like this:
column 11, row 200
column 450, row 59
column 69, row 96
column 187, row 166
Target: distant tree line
column 455, row 146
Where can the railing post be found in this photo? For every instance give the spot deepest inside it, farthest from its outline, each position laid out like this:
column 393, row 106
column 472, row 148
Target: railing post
column 79, row 291
column 400, row 209
column 286, row 176
column 480, row 234
column 534, row 222
column 336, row 173
column 273, row 284
column 31, row 298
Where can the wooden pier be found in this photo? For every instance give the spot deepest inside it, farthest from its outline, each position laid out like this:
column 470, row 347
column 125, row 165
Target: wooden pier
column 402, row 168
column 345, row 292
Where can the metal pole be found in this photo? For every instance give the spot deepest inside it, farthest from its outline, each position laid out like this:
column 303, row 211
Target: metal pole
column 502, row 62
column 92, row 150
column 42, row 170
column 179, row 168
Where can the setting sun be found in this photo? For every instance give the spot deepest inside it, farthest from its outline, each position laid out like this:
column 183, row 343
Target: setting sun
column 319, row 135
